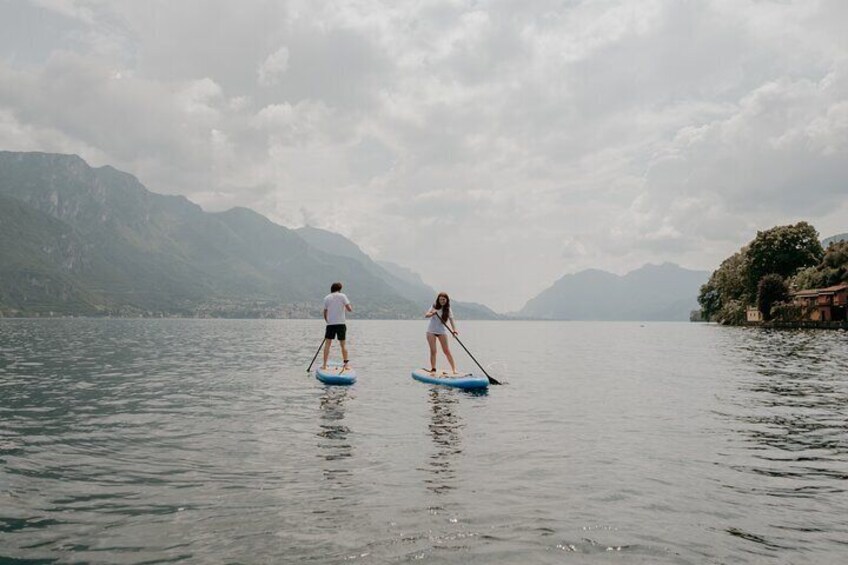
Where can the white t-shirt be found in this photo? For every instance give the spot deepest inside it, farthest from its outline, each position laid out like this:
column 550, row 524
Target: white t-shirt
column 335, row 303
column 436, row 326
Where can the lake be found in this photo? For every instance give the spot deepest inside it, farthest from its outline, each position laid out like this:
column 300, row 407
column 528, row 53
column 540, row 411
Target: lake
column 205, row 441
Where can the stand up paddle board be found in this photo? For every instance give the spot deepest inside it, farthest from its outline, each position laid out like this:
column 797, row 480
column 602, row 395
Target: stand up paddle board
column 333, row 375
column 467, row 381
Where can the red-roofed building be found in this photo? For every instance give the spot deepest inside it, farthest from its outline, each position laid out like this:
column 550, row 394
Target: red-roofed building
column 824, row 304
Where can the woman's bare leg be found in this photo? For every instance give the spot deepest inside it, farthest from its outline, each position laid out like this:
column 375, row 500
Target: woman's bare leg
column 443, row 339
column 431, row 341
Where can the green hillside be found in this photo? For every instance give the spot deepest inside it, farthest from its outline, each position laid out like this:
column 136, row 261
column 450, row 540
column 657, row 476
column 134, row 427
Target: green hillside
column 80, row 240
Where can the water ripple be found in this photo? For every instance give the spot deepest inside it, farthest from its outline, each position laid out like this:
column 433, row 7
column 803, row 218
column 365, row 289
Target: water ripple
column 150, row 441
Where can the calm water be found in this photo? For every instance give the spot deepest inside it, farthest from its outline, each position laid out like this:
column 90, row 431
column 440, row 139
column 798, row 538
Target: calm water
column 205, row 441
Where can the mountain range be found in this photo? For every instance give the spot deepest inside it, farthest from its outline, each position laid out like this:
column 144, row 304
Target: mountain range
column 650, row 293
column 78, row 240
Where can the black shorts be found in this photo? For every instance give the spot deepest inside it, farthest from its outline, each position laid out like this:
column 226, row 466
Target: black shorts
column 336, row 331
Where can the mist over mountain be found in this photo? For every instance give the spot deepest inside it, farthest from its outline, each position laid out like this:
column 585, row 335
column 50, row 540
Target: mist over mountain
column 407, row 275
column 402, row 280
column 78, row 240
column 650, row 293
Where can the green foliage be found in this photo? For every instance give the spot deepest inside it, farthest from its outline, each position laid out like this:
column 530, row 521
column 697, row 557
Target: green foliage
column 782, row 250
column 732, row 313
column 730, row 278
column 832, row 270
column 834, row 239
column 726, row 284
column 780, row 254
column 787, row 312
column 771, row 290
column 710, row 300
column 77, row 240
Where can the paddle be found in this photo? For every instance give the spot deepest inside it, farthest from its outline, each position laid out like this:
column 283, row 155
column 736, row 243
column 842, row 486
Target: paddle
column 492, row 381
column 316, row 355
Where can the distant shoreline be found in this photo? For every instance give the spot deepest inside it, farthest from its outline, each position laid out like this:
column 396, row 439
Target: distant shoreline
column 798, row 325
column 64, row 317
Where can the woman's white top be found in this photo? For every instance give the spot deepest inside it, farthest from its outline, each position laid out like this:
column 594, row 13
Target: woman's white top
column 436, row 326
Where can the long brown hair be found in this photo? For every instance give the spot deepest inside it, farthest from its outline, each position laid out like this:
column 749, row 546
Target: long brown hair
column 445, row 309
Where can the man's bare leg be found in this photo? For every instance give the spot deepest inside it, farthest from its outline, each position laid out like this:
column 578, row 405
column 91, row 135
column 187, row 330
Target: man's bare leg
column 344, row 354
column 327, row 343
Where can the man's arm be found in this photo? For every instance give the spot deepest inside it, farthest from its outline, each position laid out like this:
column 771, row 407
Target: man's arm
column 325, row 314
column 348, row 307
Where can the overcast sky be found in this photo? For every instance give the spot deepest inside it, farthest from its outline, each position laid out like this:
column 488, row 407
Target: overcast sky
column 490, row 146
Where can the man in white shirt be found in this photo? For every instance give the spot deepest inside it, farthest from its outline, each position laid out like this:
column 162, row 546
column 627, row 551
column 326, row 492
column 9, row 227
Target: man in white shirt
column 335, row 306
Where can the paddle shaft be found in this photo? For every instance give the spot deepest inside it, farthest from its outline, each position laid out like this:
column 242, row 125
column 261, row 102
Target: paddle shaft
column 488, row 376
column 316, row 355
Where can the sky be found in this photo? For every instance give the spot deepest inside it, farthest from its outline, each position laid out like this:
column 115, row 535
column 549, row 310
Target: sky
column 492, row 147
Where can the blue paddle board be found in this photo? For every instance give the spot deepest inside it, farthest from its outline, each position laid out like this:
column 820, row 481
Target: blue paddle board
column 467, row 381
column 333, row 375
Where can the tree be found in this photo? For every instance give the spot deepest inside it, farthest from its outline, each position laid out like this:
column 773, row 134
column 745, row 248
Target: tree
column 727, row 284
column 782, row 250
column 731, row 277
column 710, row 300
column 771, row 290
column 832, row 270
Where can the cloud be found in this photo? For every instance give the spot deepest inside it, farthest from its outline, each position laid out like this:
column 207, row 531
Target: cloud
column 69, row 8
column 272, row 69
column 779, row 152
column 490, row 147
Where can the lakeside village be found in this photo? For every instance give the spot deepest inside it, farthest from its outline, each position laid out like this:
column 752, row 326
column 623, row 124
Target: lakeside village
column 819, row 307
column 784, row 278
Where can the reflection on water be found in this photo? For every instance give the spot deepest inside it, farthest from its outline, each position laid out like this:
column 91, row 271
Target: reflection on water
column 334, row 444
column 445, row 426
column 791, row 415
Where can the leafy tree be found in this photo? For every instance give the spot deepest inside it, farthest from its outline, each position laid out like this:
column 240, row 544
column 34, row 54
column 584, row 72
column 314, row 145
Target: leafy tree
column 710, row 300
column 771, row 290
column 732, row 313
column 786, row 312
column 832, row 270
column 785, row 251
column 732, row 275
column 782, row 250
column 727, row 285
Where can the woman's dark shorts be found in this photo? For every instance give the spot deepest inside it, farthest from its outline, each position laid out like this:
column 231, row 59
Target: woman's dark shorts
column 336, row 331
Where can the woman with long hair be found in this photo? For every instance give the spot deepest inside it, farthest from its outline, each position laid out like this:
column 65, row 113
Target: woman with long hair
column 440, row 316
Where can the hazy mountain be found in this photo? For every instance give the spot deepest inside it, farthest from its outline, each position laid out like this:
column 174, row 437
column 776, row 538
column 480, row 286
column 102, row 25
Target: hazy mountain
column 407, row 275
column 466, row 310
column 403, row 281
column 653, row 292
column 80, row 240
column 336, row 244
column 834, row 239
